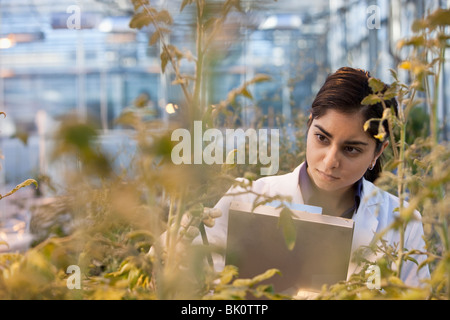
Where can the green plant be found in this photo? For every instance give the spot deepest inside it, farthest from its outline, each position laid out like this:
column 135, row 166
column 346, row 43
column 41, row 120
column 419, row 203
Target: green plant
column 113, row 220
column 418, row 171
column 132, row 231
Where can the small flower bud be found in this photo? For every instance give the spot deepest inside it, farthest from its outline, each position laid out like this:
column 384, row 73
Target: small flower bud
column 215, row 213
column 209, row 222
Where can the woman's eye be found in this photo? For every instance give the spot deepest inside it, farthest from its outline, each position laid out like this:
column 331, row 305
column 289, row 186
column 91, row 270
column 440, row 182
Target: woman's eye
column 352, row 150
column 321, row 138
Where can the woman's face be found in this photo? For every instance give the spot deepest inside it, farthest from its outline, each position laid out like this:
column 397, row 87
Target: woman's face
column 338, row 150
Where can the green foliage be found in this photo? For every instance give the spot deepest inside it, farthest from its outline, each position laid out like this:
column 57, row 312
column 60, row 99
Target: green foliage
column 240, row 289
column 286, row 222
column 418, row 171
column 78, row 141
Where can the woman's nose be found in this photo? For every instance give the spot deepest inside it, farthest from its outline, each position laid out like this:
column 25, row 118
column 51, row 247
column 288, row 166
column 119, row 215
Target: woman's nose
column 331, row 159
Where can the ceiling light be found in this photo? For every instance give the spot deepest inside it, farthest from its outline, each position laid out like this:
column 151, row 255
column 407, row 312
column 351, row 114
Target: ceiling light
column 6, row 43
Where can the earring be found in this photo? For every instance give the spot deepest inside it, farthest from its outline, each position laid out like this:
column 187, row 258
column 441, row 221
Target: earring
column 373, row 165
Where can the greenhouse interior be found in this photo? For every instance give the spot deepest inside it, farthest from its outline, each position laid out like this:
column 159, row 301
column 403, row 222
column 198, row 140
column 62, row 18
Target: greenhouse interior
column 92, row 92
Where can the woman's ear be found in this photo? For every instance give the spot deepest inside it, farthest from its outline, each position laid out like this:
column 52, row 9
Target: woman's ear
column 309, row 120
column 379, row 153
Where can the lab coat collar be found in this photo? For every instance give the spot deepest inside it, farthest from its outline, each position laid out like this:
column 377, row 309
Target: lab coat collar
column 366, row 219
column 297, row 196
column 289, row 186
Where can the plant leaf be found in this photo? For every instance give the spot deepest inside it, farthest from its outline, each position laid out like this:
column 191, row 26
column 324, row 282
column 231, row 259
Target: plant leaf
column 265, row 276
column 185, row 3
column 164, row 60
column 242, row 282
column 286, row 222
column 440, row 17
column 371, row 99
column 154, row 38
column 164, row 17
column 246, row 93
column 228, row 273
column 260, row 77
column 4, row 243
column 376, row 85
column 139, row 3
column 140, row 20
column 24, row 184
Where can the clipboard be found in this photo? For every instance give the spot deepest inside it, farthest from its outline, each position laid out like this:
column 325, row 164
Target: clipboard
column 321, row 254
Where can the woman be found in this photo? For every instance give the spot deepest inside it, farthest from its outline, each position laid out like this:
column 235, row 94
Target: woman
column 342, row 162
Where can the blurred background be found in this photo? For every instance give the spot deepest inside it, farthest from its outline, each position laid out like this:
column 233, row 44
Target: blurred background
column 81, row 57
column 96, row 66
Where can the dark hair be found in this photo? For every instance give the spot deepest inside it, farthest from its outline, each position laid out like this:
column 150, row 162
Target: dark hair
column 344, row 91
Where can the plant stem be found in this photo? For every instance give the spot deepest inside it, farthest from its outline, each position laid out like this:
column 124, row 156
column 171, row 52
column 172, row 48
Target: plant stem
column 400, row 187
column 434, row 106
column 391, row 131
column 166, row 50
column 169, row 222
column 196, row 108
column 173, row 230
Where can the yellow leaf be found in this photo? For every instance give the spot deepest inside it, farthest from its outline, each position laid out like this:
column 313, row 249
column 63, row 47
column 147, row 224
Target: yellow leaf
column 164, row 17
column 242, row 282
column 440, row 17
column 4, row 243
column 371, row 99
column 380, row 136
column 139, row 20
column 395, row 280
column 266, row 275
column 366, row 125
column 406, row 65
column 261, row 77
column 228, row 273
column 154, row 38
column 376, row 85
column 164, row 59
column 26, row 183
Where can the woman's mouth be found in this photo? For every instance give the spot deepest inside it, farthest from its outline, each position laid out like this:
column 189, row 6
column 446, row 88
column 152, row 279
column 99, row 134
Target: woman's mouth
column 327, row 177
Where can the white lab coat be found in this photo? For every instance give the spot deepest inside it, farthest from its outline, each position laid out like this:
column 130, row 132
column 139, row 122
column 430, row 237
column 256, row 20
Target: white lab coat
column 375, row 214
